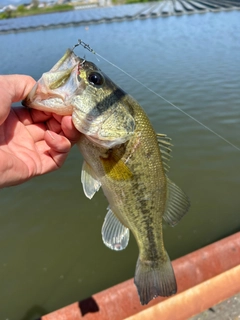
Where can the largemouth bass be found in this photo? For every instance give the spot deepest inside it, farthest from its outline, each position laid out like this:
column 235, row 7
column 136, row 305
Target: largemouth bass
column 125, row 157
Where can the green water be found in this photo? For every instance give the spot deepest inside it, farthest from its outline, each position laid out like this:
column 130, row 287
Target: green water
column 50, row 234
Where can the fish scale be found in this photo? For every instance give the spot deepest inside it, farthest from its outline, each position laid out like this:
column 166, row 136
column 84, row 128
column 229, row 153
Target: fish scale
column 122, row 155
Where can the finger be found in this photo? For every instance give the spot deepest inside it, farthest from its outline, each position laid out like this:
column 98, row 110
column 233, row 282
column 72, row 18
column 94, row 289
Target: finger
column 69, row 130
column 54, row 125
column 57, row 142
column 50, row 159
column 29, row 116
column 59, row 147
column 57, row 117
column 37, row 131
column 23, row 115
column 39, row 116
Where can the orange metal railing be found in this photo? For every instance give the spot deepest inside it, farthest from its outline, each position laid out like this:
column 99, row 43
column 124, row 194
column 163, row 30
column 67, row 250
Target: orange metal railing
column 205, row 277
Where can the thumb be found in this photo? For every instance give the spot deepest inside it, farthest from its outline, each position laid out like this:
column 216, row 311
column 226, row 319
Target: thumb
column 13, row 88
column 5, row 103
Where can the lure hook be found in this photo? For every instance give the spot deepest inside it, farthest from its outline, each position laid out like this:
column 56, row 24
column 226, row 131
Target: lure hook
column 84, row 45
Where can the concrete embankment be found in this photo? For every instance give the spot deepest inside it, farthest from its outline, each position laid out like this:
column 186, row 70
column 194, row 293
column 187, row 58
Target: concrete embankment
column 116, row 13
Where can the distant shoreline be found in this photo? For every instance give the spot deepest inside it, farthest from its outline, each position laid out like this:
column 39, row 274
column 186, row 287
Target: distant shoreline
column 21, row 11
column 107, row 14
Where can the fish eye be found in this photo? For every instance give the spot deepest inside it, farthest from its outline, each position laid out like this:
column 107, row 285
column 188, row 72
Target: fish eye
column 96, row 78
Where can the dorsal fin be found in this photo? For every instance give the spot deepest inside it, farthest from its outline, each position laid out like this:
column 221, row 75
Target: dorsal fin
column 165, row 148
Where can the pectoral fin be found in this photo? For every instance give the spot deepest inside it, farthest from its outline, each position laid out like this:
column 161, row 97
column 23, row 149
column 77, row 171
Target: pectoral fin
column 89, row 181
column 177, row 204
column 115, row 236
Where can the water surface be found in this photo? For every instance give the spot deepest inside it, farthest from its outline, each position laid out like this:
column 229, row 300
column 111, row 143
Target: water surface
column 50, row 234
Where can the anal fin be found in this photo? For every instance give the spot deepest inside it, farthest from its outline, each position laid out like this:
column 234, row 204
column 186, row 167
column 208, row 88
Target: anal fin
column 177, row 204
column 114, row 234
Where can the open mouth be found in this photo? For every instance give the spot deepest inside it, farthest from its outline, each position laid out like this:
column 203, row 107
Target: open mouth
column 53, row 91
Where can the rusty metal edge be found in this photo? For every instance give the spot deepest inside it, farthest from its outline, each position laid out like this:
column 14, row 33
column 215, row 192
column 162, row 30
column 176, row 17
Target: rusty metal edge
column 196, row 299
column 121, row 301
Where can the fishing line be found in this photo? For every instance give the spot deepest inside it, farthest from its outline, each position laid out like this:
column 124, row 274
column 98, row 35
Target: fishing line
column 86, row 46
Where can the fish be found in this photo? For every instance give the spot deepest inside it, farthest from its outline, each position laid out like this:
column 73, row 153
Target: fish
column 125, row 157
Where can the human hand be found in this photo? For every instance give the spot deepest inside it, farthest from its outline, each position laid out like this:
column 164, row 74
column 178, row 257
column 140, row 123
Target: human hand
column 32, row 142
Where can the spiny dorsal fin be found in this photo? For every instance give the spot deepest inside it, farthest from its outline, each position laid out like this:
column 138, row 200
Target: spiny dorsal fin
column 165, row 148
column 177, row 204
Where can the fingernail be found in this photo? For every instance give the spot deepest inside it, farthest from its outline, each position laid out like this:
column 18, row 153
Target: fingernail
column 51, row 134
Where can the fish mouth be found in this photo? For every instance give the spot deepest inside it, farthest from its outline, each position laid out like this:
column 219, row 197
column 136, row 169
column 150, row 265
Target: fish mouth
column 53, row 91
column 40, row 98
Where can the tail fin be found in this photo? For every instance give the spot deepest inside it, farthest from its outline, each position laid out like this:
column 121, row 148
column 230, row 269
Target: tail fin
column 154, row 278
